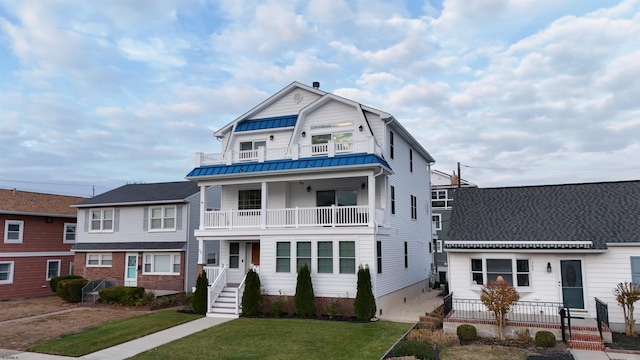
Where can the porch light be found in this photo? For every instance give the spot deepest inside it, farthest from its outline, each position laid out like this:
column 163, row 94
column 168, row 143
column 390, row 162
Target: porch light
column 363, row 186
column 271, row 137
column 548, row 267
column 308, row 188
column 360, row 127
column 304, row 133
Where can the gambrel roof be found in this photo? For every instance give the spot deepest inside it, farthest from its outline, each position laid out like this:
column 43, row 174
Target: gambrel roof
column 131, row 194
column 569, row 216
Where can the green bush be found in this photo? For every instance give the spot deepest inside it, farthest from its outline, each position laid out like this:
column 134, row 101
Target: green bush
column 414, row 348
column 545, row 339
column 53, row 283
column 122, row 295
column 251, row 297
column 71, row 290
column 199, row 298
column 304, row 299
column 364, row 304
column 467, row 332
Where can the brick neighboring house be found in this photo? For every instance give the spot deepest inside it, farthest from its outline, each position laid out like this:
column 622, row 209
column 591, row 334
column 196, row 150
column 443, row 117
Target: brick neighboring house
column 143, row 235
column 38, row 232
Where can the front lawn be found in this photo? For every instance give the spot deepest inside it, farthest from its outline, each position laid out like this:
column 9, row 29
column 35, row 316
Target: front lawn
column 111, row 334
column 254, row 338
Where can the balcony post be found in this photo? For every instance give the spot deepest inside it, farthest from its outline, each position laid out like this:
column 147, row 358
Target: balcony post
column 331, row 148
column 200, row 251
column 198, row 159
column 371, row 148
column 295, row 152
column 264, row 207
column 229, row 157
column 371, row 196
column 261, row 154
column 203, row 206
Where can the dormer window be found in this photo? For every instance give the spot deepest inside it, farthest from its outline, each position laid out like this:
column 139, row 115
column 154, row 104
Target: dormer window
column 252, row 145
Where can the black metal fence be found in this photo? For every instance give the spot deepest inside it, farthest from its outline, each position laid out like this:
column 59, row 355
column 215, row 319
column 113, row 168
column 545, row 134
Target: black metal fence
column 540, row 312
column 448, row 304
column 602, row 314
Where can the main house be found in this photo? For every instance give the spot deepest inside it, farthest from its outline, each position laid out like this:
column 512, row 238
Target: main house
column 143, row 235
column 38, row 232
column 443, row 188
column 560, row 244
column 309, row 177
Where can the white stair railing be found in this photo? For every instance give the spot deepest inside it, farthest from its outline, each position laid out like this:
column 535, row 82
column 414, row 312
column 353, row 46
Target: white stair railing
column 216, row 287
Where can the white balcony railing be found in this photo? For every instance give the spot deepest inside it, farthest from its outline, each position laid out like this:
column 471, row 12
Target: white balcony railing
column 291, row 217
column 295, row 152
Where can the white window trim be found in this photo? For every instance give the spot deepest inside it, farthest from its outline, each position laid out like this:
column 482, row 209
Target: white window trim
column 514, row 271
column 20, row 233
column 102, row 229
column 153, row 255
column 64, row 233
column 59, row 265
column 100, row 260
column 439, row 246
column 11, row 270
column 162, row 219
column 437, row 223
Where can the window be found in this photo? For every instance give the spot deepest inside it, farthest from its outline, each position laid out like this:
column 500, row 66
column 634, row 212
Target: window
column 252, row 145
column 379, row 256
column 635, row 269
column 6, row 272
column 212, row 258
column 69, row 233
column 99, row 260
column 53, row 269
column 234, row 255
column 442, row 198
column 391, row 144
column 410, row 160
column 414, row 207
column 325, row 257
column 393, row 200
column 13, row 231
column 406, row 255
column 162, row 218
column 283, row 257
column 102, row 220
column 437, row 221
column 336, row 197
column 347, row 253
column 439, row 246
column 336, row 137
column 166, row 264
column 484, row 271
column 249, row 199
column 303, row 255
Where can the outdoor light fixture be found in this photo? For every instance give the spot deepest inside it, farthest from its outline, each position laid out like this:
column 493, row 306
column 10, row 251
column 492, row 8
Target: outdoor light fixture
column 360, row 127
column 308, row 188
column 304, row 133
column 548, row 267
column 271, row 137
column 363, row 186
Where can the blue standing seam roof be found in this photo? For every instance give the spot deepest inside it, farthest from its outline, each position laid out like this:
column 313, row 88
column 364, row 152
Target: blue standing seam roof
column 278, row 165
column 267, row 123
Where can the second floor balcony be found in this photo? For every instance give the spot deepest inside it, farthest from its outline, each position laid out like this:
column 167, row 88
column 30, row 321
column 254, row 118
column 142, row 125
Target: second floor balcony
column 325, row 216
column 294, row 152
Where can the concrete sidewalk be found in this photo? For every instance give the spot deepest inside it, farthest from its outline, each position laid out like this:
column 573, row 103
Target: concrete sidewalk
column 602, row 355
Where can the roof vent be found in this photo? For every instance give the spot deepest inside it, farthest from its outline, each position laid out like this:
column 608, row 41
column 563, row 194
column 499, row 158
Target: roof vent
column 316, row 84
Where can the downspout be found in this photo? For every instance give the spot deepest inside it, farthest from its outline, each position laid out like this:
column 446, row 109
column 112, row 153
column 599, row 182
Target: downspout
column 186, row 254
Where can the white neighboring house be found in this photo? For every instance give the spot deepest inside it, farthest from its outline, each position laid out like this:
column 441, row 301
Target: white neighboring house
column 311, row 177
column 560, row 244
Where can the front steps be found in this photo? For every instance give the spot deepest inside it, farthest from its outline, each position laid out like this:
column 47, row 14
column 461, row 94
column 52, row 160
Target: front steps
column 225, row 305
column 585, row 335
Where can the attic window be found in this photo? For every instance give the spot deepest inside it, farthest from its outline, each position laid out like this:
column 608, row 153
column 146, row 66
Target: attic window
column 325, row 126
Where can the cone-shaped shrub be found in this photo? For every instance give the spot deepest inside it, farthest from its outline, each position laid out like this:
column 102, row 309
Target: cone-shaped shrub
column 251, row 298
column 365, row 304
column 199, row 298
column 304, row 300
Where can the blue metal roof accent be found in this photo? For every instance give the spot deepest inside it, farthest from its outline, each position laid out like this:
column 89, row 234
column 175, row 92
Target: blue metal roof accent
column 286, row 164
column 267, row 123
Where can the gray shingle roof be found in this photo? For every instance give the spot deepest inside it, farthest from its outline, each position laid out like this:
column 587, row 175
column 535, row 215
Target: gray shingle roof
column 128, row 246
column 607, row 212
column 140, row 193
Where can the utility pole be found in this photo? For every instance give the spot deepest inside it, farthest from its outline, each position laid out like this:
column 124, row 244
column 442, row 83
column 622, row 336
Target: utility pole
column 459, row 175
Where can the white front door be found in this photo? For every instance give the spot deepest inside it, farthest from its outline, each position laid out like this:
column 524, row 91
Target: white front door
column 131, row 270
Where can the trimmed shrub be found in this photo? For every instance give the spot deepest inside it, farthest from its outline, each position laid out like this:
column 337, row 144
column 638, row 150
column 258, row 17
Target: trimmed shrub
column 251, row 298
column 71, row 290
column 545, row 339
column 199, row 298
column 122, row 295
column 365, row 304
column 414, row 348
column 53, row 283
column 304, row 300
column 467, row 332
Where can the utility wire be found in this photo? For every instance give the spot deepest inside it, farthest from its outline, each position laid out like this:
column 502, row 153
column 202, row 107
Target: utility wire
column 547, row 169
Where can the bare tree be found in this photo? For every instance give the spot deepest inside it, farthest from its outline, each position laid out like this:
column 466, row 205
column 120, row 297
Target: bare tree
column 498, row 297
column 627, row 293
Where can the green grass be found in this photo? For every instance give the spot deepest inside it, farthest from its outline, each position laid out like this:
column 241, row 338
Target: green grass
column 248, row 338
column 113, row 333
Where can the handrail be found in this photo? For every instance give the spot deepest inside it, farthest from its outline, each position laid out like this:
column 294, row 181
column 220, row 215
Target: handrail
column 239, row 292
column 565, row 313
column 602, row 314
column 216, row 288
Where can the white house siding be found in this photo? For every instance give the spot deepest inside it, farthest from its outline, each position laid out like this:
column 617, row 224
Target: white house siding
column 287, row 105
column 129, row 226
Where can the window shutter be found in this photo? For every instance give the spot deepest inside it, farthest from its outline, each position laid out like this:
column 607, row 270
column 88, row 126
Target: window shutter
column 145, row 219
column 86, row 221
column 179, row 217
column 635, row 269
column 116, row 220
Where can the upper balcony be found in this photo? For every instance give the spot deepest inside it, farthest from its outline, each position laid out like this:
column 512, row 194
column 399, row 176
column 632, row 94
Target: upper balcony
column 295, row 152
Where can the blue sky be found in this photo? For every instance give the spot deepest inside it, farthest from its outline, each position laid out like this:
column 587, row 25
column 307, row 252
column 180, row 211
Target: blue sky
column 100, row 94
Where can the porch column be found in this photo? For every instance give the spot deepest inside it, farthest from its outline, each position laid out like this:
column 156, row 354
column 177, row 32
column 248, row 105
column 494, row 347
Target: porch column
column 203, row 205
column 371, row 199
column 200, row 251
column 263, row 210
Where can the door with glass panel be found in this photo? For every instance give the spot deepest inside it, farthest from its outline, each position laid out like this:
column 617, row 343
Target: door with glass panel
column 572, row 288
column 327, row 198
column 131, row 270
